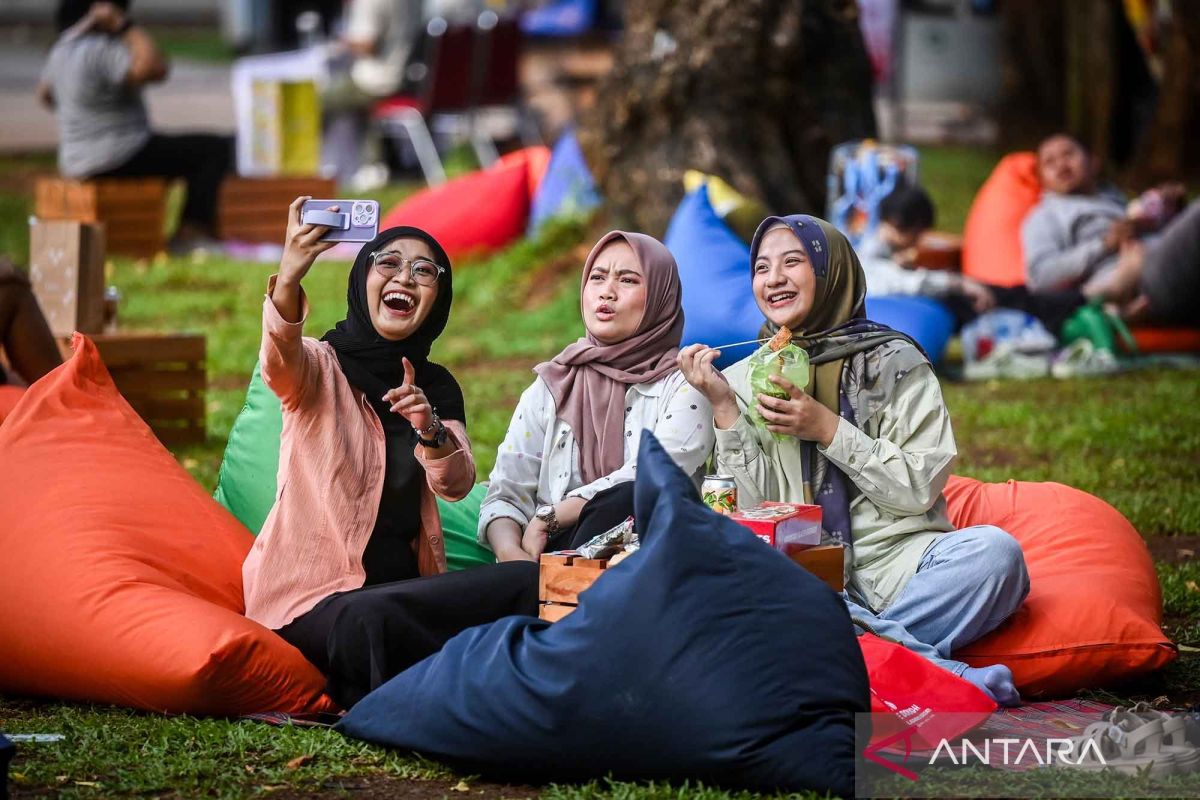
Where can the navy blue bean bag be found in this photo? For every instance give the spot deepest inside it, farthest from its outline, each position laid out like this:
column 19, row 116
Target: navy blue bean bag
column 705, row 656
column 714, row 268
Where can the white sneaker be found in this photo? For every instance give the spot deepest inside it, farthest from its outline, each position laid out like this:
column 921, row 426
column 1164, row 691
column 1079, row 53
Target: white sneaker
column 1008, row 362
column 1082, row 359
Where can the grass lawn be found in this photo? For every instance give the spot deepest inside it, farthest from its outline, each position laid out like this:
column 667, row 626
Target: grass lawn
column 1133, row 440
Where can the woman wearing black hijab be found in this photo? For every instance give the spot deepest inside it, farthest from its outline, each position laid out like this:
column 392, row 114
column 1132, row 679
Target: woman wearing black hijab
column 348, row 565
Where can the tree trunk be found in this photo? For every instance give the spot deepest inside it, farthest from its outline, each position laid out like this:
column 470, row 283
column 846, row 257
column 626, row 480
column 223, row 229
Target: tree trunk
column 1170, row 151
column 756, row 92
column 1076, row 67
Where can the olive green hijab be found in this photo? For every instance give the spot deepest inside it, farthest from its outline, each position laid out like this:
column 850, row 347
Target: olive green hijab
column 836, row 326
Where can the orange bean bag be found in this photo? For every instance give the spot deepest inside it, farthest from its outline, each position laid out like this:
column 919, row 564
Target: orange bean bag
column 1094, row 607
column 992, row 237
column 120, row 577
column 992, row 250
column 471, row 215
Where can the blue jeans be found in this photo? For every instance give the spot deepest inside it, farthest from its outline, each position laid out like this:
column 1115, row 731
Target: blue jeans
column 967, row 583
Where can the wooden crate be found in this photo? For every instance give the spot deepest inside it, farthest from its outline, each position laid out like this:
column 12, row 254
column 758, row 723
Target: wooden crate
column 133, row 210
column 563, row 577
column 940, row 250
column 826, row 561
column 163, row 376
column 255, row 209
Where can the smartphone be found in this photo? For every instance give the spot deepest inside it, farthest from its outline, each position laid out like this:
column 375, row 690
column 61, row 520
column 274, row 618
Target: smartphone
column 354, row 221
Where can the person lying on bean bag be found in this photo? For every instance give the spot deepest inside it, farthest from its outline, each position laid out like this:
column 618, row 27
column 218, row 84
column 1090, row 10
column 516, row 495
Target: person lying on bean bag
column 868, row 439
column 1145, row 256
column 348, row 565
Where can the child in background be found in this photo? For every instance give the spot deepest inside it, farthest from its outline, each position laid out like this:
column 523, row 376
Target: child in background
column 888, row 259
column 889, row 255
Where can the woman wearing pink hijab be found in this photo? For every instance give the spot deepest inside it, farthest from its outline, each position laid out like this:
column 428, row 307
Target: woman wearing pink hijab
column 565, row 470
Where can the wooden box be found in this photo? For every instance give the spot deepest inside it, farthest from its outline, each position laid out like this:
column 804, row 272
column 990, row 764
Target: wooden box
column 563, row 577
column 826, row 561
column 66, row 270
column 561, row 580
column 164, row 378
column 940, row 250
column 256, row 209
column 132, row 209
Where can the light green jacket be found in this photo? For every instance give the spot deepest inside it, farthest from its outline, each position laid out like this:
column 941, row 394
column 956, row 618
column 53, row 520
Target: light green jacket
column 899, row 461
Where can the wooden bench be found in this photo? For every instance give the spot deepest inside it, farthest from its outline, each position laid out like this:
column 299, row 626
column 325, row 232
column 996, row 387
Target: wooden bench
column 164, row 378
column 133, row 210
column 563, row 577
column 255, row 209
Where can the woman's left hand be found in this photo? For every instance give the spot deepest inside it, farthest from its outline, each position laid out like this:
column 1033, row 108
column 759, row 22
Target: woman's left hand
column 797, row 415
column 410, row 402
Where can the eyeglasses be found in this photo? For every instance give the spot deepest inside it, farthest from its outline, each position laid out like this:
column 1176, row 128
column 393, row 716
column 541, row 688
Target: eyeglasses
column 423, row 271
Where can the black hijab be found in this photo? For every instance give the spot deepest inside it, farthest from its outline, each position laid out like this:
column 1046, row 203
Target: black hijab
column 374, row 364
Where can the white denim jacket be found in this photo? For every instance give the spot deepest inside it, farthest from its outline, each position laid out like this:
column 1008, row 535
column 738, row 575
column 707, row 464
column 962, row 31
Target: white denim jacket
column 538, row 461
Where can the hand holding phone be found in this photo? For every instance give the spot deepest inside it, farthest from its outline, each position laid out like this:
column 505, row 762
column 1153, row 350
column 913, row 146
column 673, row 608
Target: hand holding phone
column 301, row 245
column 346, row 220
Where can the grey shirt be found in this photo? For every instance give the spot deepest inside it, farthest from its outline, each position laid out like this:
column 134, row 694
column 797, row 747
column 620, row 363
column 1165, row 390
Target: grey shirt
column 1063, row 239
column 102, row 120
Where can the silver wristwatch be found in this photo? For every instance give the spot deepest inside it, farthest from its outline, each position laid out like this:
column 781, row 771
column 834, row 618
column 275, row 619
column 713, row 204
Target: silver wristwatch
column 546, row 514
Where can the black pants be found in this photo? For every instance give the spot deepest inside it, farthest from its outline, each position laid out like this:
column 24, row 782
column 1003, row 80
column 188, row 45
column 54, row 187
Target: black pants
column 201, row 159
column 606, row 510
column 1052, row 309
column 362, row 638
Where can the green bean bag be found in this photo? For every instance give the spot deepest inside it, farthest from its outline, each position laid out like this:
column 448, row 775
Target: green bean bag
column 246, row 485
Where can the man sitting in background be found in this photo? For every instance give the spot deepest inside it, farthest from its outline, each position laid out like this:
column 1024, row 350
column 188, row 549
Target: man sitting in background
column 1146, row 256
column 93, row 79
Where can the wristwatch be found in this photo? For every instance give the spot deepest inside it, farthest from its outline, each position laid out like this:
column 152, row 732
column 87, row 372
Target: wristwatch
column 437, row 429
column 546, row 514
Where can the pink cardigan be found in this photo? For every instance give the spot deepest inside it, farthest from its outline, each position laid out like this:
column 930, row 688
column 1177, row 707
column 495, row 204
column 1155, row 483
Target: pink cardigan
column 331, row 462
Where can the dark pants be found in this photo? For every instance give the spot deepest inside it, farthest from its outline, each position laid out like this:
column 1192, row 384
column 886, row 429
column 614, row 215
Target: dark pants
column 362, row 638
column 24, row 334
column 1171, row 271
column 201, row 159
column 606, row 510
column 1052, row 309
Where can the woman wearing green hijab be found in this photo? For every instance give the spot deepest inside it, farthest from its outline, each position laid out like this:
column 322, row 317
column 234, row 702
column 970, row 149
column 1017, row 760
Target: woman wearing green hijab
column 869, row 440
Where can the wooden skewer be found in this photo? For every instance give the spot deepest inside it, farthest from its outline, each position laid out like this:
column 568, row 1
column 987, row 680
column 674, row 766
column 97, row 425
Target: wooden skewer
column 735, row 344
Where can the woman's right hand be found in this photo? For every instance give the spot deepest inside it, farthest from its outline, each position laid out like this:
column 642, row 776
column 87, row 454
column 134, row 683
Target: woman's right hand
column 301, row 245
column 696, row 363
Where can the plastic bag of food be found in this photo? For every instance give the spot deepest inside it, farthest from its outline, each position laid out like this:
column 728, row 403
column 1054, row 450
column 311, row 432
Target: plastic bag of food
column 789, row 361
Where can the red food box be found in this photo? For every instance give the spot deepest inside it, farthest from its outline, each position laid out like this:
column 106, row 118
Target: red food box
column 784, row 526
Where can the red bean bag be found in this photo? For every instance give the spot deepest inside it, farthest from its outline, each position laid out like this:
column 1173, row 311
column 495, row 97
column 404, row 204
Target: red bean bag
column 536, row 160
column 1094, row 607
column 992, row 237
column 120, row 580
column 471, row 215
column 992, row 243
column 9, row 396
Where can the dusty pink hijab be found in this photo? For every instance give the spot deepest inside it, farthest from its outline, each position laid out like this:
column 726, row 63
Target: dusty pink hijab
column 589, row 379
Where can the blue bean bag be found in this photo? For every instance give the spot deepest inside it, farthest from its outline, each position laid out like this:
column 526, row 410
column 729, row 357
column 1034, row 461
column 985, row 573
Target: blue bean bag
column 707, row 655
column 714, row 268
column 560, row 18
column 567, row 187
column 922, row 318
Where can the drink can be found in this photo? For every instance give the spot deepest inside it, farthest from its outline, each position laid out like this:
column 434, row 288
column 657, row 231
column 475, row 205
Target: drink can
column 720, row 493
